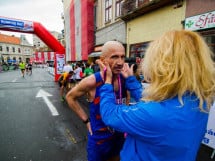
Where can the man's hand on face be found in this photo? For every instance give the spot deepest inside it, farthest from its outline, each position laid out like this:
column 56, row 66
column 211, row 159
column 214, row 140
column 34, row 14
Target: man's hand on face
column 127, row 71
column 105, row 70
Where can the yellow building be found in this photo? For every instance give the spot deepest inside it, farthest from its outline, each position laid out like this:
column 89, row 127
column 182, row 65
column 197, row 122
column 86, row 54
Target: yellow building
column 148, row 21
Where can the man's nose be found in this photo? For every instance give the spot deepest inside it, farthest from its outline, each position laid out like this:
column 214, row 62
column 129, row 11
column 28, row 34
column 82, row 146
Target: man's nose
column 120, row 61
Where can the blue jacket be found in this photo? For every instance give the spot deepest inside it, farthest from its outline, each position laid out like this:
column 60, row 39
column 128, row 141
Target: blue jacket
column 157, row 131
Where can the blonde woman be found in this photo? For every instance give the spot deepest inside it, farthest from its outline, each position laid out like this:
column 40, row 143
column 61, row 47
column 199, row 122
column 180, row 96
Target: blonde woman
column 170, row 121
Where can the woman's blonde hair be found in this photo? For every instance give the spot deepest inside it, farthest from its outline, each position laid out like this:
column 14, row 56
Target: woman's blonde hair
column 176, row 63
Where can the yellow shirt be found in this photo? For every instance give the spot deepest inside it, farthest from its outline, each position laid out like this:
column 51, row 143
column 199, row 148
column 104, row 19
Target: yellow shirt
column 63, row 77
column 22, row 65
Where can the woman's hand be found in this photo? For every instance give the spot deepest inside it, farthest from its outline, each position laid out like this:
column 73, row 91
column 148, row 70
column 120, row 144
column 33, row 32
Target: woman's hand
column 127, row 71
column 105, row 71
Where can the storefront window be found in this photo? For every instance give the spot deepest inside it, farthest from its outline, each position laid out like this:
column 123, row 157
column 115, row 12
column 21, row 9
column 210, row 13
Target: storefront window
column 209, row 37
column 138, row 50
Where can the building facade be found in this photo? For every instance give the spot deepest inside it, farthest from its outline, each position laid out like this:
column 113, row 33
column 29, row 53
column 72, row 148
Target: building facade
column 14, row 49
column 89, row 24
column 66, row 18
column 43, row 57
column 40, row 46
column 200, row 17
column 147, row 20
column 134, row 23
column 108, row 24
column 79, row 29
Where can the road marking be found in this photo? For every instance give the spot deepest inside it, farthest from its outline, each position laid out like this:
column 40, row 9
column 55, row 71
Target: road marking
column 14, row 80
column 70, row 136
column 51, row 107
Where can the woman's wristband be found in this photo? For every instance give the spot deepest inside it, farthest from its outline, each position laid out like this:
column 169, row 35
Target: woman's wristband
column 86, row 121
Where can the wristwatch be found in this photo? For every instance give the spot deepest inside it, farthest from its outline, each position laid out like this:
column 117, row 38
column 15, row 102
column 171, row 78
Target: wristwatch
column 86, row 121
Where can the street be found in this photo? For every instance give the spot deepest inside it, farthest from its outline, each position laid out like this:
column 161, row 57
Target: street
column 30, row 130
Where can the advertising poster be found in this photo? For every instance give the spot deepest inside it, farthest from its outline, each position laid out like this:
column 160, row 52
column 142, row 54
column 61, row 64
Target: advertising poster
column 60, row 61
column 15, row 24
column 209, row 138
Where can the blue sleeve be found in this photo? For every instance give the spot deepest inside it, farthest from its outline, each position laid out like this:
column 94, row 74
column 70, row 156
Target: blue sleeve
column 134, row 87
column 123, row 118
column 152, row 122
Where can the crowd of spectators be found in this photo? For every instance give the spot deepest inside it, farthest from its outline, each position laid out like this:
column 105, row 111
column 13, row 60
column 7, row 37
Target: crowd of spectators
column 73, row 73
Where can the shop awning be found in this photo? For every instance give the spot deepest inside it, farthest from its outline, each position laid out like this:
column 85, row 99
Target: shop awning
column 95, row 54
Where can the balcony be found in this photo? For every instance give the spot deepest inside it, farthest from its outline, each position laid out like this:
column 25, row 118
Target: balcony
column 134, row 8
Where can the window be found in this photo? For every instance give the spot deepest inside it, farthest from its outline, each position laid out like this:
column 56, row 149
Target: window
column 7, row 48
column 138, row 50
column 19, row 50
column 118, row 7
column 13, row 49
column 209, row 37
column 108, row 10
column 140, row 2
column 0, row 48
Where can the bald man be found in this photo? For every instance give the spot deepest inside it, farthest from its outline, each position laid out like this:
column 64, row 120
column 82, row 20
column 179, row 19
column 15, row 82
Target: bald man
column 104, row 143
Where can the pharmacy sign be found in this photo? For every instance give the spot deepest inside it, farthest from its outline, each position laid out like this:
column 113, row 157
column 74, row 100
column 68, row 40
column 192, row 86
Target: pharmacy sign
column 199, row 22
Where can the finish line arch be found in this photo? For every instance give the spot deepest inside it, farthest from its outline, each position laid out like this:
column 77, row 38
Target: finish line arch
column 24, row 26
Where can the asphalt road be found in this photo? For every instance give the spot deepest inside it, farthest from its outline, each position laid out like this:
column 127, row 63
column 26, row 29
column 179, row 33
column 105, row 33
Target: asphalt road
column 29, row 130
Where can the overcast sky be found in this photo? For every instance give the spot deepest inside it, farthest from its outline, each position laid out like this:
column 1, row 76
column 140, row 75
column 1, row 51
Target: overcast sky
column 46, row 12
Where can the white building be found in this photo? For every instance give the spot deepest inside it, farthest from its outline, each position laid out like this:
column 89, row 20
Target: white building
column 13, row 49
column 41, row 46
